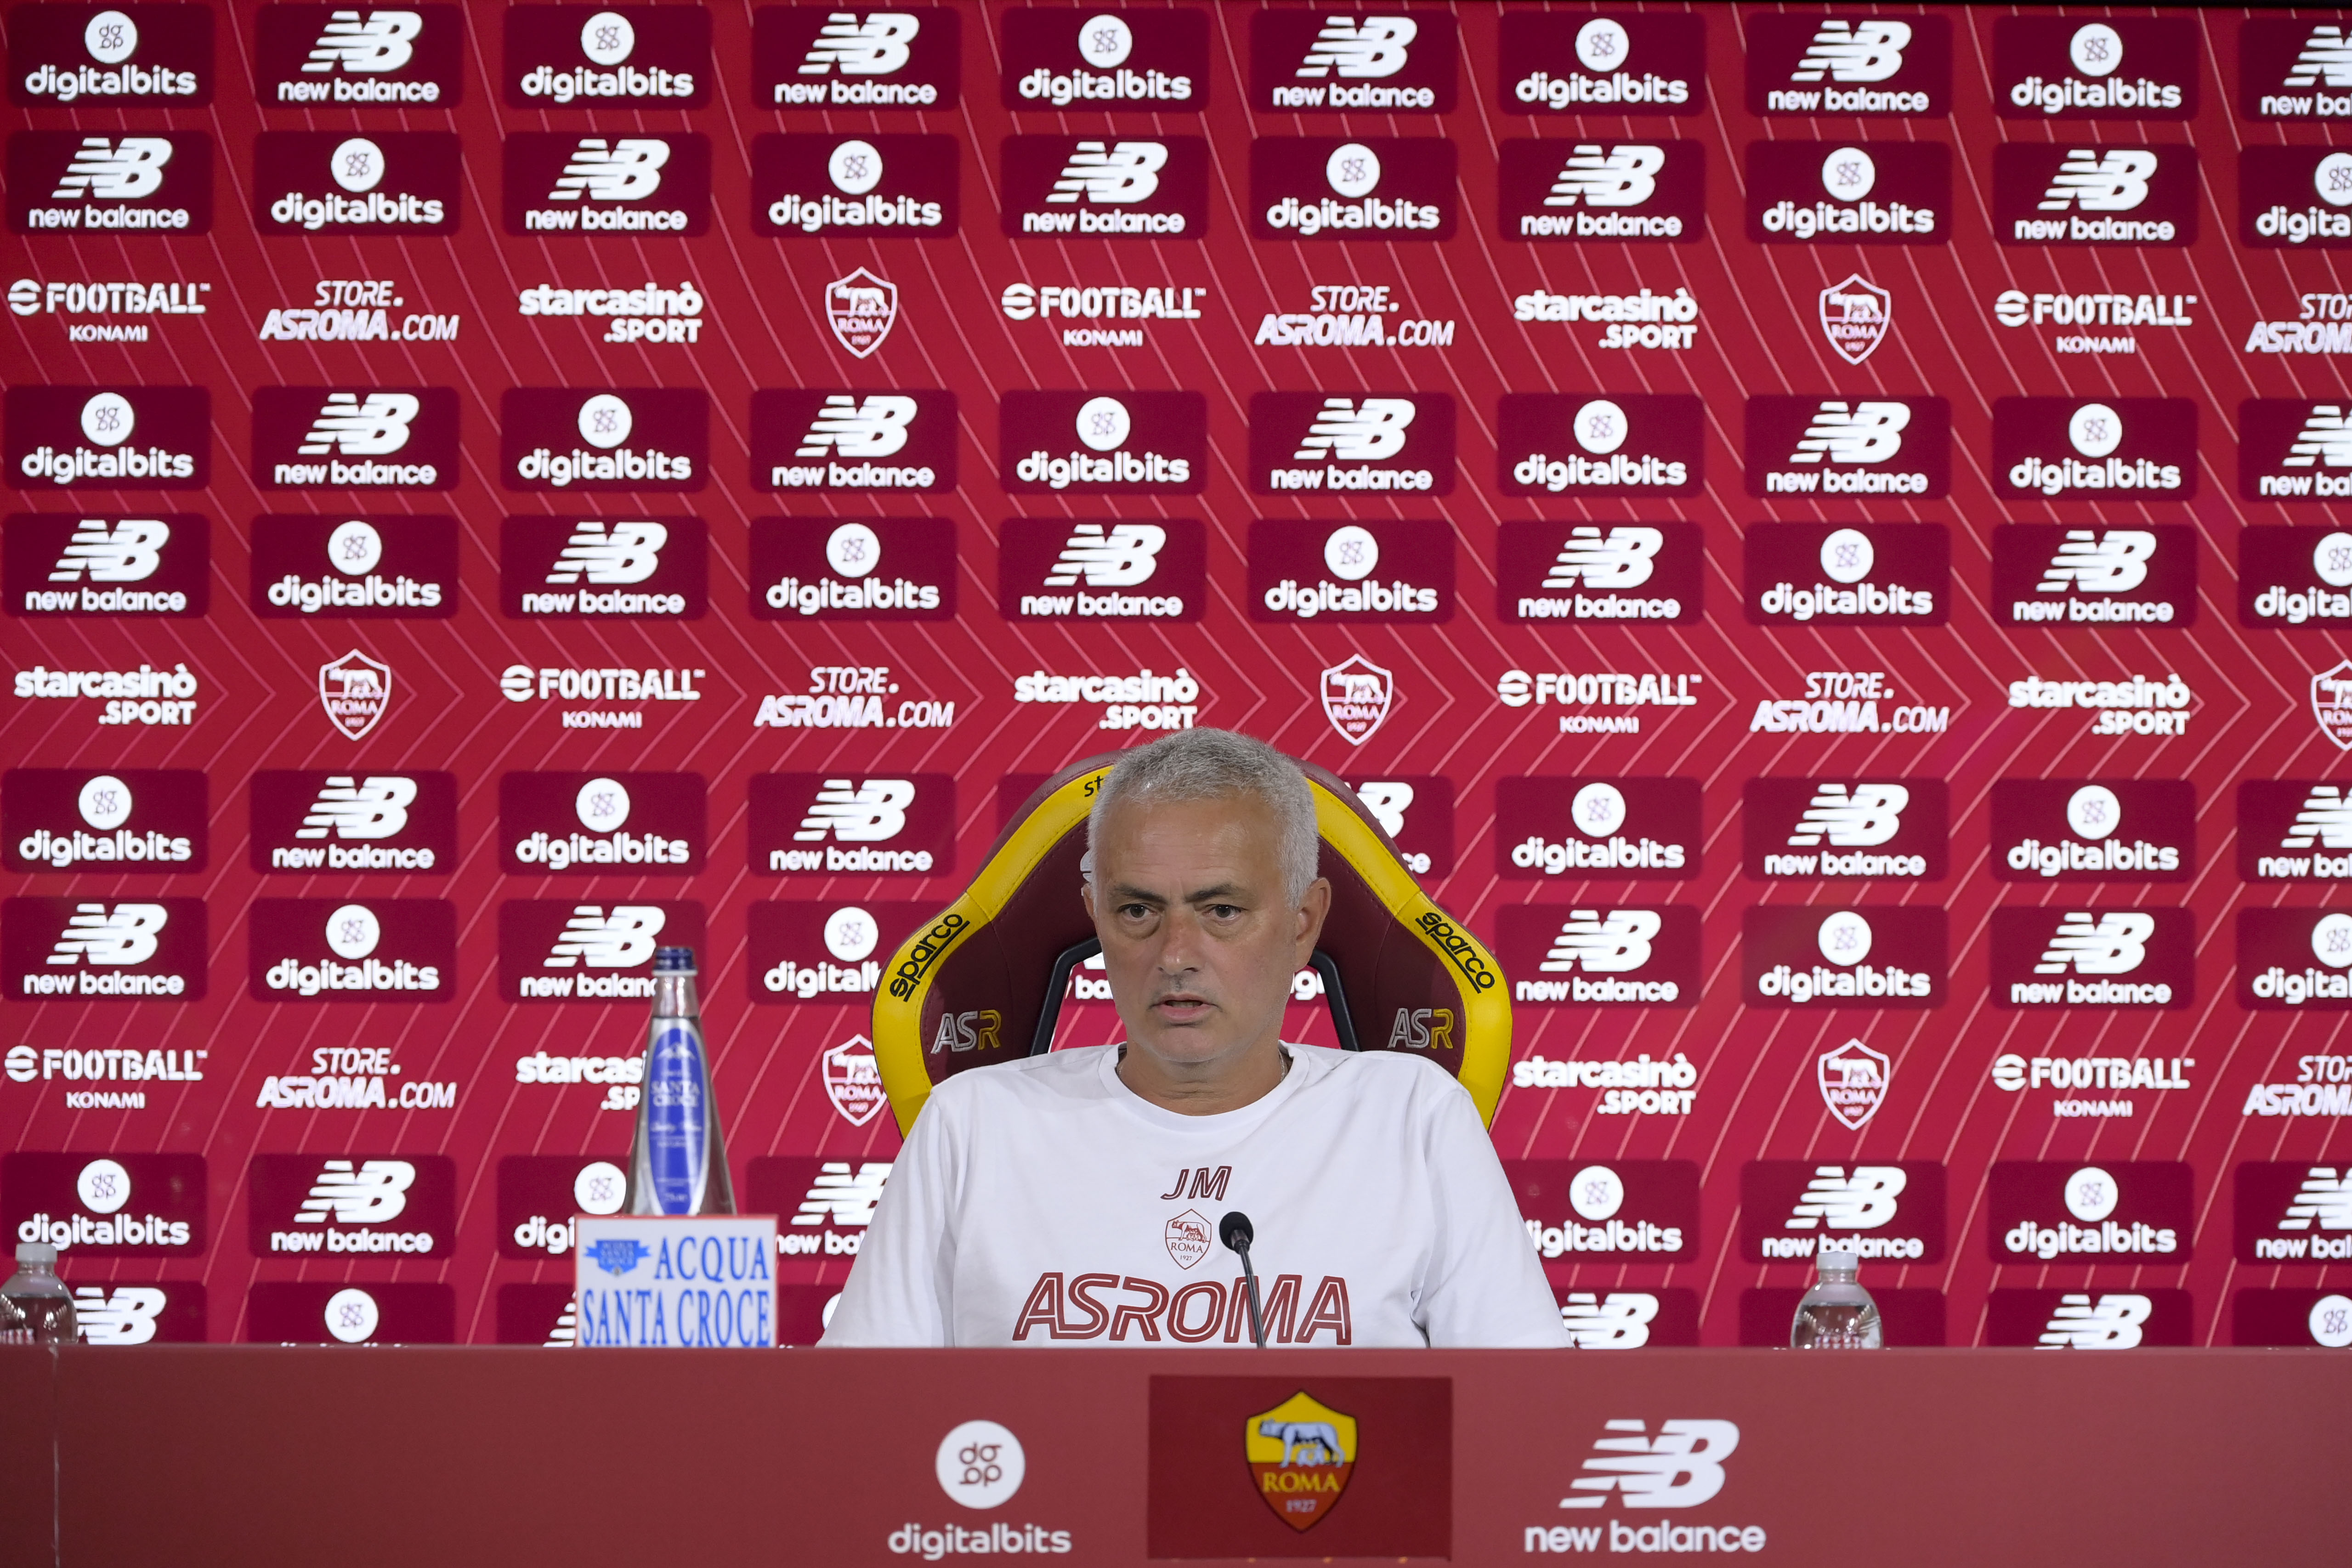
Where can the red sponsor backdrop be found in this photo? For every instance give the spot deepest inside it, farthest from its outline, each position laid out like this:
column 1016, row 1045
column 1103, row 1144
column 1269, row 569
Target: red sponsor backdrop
column 1183, row 371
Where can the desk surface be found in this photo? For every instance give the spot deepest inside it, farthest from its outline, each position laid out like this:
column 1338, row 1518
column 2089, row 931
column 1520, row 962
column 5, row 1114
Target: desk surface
column 238, row 1455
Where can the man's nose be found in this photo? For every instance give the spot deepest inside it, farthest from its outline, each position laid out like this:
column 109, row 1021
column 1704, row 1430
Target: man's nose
column 1180, row 942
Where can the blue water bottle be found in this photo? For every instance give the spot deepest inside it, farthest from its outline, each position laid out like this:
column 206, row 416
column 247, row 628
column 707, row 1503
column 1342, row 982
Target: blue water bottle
column 678, row 1161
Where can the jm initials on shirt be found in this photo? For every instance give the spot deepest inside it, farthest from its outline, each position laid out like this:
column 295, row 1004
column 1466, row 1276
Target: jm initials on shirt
column 1205, row 1182
column 1071, row 1309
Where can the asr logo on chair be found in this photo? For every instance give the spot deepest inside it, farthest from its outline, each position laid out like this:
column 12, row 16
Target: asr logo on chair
column 1300, row 1455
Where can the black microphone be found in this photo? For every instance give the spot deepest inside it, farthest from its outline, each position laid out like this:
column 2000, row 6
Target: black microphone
column 1237, row 1232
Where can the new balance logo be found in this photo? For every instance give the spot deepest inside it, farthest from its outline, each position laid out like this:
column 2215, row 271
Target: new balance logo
column 2111, row 1323
column 1352, row 432
column 1619, row 1321
column 844, row 1198
column 613, row 552
column 373, row 808
column 1118, row 173
column 2326, row 440
column 1603, row 945
column 380, row 42
column 1682, row 1466
column 1867, row 814
column 2326, row 58
column 125, row 1317
column 628, row 170
column 1848, row 51
column 2114, row 944
column 1853, row 433
column 867, row 814
column 620, row 940
column 129, row 551
column 1624, row 175
column 1624, row 558
column 122, row 935
column 1360, row 47
column 1862, row 1201
column 2325, row 1198
column 875, row 46
column 121, row 170
column 373, row 1194
column 357, row 429
column 2100, row 183
column 1126, row 555
column 849, row 428
column 2109, row 561
column 2325, row 818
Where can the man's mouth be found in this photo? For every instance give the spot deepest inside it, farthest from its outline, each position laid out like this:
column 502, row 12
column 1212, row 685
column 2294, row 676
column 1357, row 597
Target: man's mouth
column 1180, row 1007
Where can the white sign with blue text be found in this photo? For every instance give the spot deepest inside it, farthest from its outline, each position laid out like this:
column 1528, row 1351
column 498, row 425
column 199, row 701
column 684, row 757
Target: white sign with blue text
column 676, row 1282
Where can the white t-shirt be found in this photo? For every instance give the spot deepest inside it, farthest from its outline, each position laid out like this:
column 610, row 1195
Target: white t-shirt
column 1042, row 1202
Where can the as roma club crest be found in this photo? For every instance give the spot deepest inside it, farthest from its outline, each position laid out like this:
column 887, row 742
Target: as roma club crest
column 1355, row 697
column 2331, row 703
column 1300, row 1453
column 862, row 309
column 356, row 689
column 1854, row 1082
column 852, row 1079
column 1187, row 1236
column 1854, row 316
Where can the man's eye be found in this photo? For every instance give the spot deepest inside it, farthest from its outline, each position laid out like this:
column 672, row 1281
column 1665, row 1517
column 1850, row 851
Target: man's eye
column 1224, row 911
column 1135, row 911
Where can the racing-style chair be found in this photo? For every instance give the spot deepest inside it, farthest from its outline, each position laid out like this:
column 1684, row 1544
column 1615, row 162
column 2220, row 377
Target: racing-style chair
column 983, row 982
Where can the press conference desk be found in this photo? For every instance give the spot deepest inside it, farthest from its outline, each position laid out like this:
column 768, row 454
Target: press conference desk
column 417, row 1457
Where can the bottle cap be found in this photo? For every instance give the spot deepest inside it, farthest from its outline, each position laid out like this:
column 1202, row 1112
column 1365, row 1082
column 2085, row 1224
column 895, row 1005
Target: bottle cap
column 673, row 960
column 1839, row 1258
column 37, row 1252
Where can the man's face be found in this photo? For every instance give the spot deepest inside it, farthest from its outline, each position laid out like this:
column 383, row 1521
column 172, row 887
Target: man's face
column 1198, row 939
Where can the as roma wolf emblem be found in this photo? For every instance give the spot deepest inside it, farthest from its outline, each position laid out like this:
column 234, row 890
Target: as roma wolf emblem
column 1300, row 1453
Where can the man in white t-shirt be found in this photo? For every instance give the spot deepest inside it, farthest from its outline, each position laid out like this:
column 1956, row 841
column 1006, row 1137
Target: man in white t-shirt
column 1075, row 1198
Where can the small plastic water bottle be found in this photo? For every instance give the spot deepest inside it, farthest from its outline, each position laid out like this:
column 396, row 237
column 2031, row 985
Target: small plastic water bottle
column 35, row 1308
column 1836, row 1314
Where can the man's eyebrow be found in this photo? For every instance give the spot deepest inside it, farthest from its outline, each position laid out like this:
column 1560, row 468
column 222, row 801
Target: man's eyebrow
column 1127, row 890
column 1222, row 891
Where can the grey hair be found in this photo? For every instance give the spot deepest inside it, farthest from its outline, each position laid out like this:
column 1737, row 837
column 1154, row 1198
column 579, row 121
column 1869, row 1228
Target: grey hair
column 1211, row 765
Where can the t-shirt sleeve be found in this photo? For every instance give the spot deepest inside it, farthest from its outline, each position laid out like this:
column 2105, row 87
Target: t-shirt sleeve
column 1483, row 1289
column 898, row 1288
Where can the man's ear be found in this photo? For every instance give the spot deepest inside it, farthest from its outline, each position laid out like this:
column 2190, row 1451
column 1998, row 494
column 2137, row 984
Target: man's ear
column 1312, row 910
column 1087, row 896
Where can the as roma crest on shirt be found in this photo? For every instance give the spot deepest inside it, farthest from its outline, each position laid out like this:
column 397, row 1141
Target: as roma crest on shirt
column 1355, row 697
column 852, row 1079
column 1187, row 1236
column 1855, row 315
column 861, row 309
column 1300, row 1453
column 2331, row 703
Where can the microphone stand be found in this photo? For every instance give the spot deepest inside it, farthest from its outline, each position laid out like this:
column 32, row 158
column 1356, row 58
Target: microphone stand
column 1237, row 1234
